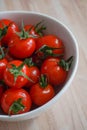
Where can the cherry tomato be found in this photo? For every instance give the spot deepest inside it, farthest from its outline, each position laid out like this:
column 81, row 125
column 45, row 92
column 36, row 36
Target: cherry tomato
column 34, row 72
column 55, row 73
column 41, row 94
column 22, row 48
column 9, row 28
column 35, row 30
column 15, row 101
column 3, row 64
column 16, row 74
column 51, row 41
column 31, row 28
column 34, row 75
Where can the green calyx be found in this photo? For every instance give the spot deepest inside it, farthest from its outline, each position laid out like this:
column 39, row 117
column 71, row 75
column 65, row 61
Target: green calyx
column 2, row 55
column 48, row 51
column 43, row 81
column 3, row 30
column 29, row 62
column 16, row 107
column 39, row 27
column 16, row 71
column 25, row 34
column 66, row 64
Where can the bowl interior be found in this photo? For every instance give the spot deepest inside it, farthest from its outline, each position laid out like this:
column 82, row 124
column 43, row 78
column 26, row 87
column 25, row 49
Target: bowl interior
column 53, row 27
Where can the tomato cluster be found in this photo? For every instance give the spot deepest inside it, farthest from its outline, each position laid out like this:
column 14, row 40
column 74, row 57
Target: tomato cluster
column 31, row 66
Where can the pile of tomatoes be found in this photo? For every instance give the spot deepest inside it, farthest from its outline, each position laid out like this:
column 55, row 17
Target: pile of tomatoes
column 31, row 66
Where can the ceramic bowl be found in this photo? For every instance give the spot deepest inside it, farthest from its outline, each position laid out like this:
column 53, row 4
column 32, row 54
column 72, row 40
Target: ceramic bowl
column 55, row 27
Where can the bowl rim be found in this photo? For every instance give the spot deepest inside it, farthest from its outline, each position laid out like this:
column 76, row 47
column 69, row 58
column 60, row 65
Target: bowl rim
column 55, row 98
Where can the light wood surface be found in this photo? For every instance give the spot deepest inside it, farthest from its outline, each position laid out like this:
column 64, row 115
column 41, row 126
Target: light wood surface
column 70, row 111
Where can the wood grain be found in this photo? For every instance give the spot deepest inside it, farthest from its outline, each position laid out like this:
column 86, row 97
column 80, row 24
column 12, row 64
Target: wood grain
column 70, row 111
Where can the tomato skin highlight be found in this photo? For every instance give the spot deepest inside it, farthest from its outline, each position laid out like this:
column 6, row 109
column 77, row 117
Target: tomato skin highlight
column 56, row 74
column 22, row 48
column 39, row 95
column 3, row 64
column 9, row 78
column 11, row 30
column 12, row 95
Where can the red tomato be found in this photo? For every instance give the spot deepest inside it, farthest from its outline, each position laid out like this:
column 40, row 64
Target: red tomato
column 16, row 76
column 15, row 101
column 3, row 64
column 34, row 75
column 50, row 41
column 41, row 92
column 41, row 95
column 10, row 31
column 22, row 48
column 55, row 73
column 34, row 72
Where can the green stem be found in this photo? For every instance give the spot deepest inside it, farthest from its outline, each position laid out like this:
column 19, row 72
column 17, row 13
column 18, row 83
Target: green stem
column 29, row 62
column 39, row 27
column 4, row 30
column 25, row 34
column 43, row 81
column 48, row 51
column 66, row 64
column 2, row 55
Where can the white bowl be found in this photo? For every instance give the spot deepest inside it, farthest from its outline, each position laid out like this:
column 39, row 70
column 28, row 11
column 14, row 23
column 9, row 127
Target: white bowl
column 53, row 27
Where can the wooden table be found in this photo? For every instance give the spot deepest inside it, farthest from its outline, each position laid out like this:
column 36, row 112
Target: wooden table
column 70, row 111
